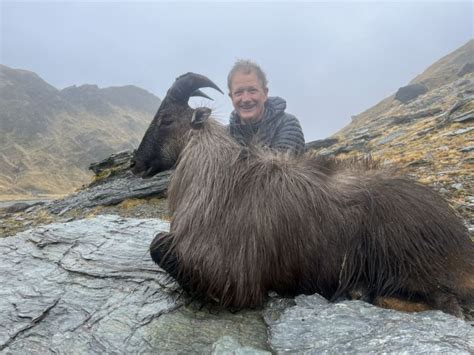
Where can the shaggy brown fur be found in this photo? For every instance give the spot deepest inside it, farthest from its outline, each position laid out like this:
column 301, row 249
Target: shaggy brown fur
column 246, row 221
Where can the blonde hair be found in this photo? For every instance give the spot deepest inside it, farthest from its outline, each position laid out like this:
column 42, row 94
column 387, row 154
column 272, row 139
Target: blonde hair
column 246, row 66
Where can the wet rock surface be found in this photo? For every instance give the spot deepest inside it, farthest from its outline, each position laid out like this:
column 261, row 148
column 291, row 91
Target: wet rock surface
column 113, row 191
column 313, row 326
column 82, row 286
column 89, row 286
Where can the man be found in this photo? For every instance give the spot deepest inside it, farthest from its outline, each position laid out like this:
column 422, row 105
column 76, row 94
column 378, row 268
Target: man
column 257, row 118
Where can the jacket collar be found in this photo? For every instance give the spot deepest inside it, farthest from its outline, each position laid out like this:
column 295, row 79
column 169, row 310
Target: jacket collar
column 274, row 106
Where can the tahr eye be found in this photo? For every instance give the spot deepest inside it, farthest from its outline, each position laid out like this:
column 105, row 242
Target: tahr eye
column 166, row 120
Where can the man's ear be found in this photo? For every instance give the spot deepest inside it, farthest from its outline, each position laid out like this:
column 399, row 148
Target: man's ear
column 265, row 91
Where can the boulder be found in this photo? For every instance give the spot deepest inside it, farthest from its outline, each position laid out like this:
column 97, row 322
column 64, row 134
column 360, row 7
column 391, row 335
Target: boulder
column 410, row 92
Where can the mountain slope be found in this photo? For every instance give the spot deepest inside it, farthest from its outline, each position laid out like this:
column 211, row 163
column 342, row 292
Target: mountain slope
column 48, row 137
column 430, row 136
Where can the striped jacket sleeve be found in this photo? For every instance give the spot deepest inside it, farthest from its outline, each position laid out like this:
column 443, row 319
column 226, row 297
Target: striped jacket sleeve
column 289, row 135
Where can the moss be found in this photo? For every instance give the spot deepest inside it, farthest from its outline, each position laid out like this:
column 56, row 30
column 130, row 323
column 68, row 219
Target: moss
column 102, row 175
column 19, row 222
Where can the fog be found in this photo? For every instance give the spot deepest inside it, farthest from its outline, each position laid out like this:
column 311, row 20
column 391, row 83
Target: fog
column 328, row 60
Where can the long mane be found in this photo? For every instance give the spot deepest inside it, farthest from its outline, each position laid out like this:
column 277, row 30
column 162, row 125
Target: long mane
column 249, row 219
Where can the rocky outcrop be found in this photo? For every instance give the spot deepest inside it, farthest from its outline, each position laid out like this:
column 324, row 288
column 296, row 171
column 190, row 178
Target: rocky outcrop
column 117, row 161
column 410, row 92
column 89, row 286
column 409, row 118
column 466, row 69
column 114, row 191
column 321, row 143
column 313, row 325
column 428, row 138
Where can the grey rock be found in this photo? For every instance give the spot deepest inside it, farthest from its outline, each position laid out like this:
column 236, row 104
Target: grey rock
column 315, row 326
column 359, row 144
column 419, row 162
column 359, row 135
column 361, row 131
column 458, row 132
column 90, row 287
column 469, row 160
column 391, row 137
column 411, row 117
column 457, row 186
column 339, row 150
column 452, row 115
column 119, row 159
column 464, row 82
column 443, row 191
column 17, row 207
column 321, row 143
column 458, row 104
column 467, row 68
column 188, row 330
column 114, row 191
column 470, row 228
column 228, row 345
column 464, row 118
column 425, row 131
column 87, row 285
column 410, row 92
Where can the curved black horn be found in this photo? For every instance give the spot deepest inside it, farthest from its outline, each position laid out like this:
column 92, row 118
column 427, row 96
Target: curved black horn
column 187, row 84
column 200, row 94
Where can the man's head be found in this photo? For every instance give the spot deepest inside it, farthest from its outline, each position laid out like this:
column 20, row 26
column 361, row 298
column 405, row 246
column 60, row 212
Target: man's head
column 248, row 90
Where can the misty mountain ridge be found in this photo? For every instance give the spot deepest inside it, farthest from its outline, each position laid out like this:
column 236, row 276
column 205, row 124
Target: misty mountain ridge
column 444, row 71
column 49, row 136
column 425, row 130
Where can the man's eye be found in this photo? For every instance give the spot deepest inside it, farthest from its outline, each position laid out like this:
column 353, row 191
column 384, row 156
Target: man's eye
column 252, row 91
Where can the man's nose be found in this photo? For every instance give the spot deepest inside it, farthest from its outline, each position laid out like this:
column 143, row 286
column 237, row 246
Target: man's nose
column 246, row 96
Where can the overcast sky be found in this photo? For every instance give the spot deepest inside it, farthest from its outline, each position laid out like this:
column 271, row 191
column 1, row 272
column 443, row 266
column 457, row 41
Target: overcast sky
column 329, row 60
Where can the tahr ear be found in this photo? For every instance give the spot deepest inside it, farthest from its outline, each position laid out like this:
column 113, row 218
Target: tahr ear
column 200, row 115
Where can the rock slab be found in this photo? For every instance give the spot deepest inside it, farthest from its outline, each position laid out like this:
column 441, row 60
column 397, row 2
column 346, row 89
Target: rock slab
column 114, row 191
column 89, row 286
column 314, row 326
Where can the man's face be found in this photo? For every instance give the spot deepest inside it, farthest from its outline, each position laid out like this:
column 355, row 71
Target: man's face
column 248, row 96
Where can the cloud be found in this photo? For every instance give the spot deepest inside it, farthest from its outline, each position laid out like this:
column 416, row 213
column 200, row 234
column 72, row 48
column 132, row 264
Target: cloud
column 328, row 60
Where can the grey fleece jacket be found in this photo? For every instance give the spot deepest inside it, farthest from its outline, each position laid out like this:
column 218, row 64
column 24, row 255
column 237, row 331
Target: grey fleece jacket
column 277, row 129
